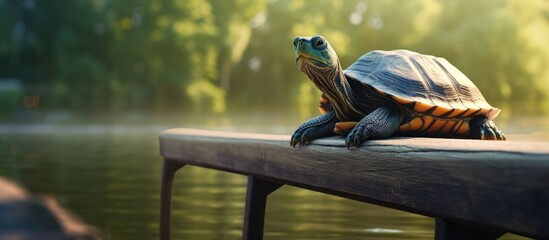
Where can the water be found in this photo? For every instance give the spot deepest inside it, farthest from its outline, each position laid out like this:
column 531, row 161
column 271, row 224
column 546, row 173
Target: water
column 109, row 175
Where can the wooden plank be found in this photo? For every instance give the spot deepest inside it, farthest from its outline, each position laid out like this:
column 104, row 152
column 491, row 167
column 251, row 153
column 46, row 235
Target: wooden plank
column 499, row 185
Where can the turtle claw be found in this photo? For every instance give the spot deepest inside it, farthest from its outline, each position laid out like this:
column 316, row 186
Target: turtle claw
column 486, row 130
column 301, row 138
column 356, row 136
column 500, row 135
column 492, row 132
column 320, row 126
column 298, row 138
column 491, row 135
column 347, row 143
column 293, row 141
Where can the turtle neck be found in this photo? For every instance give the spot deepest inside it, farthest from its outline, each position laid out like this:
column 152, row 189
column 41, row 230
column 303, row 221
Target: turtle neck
column 331, row 81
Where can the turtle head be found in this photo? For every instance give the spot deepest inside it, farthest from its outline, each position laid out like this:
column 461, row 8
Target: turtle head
column 315, row 57
column 314, row 51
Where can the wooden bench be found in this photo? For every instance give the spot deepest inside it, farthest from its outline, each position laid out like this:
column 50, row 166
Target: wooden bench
column 473, row 188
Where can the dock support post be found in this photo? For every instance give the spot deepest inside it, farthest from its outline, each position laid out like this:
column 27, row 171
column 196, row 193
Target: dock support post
column 256, row 201
column 168, row 171
column 445, row 230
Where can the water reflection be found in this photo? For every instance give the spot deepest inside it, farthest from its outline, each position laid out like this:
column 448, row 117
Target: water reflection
column 318, row 216
column 109, row 174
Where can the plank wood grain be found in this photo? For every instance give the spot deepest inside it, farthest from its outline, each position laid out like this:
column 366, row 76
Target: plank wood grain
column 502, row 185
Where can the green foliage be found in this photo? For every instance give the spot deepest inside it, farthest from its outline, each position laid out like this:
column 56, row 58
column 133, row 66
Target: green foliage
column 205, row 95
column 499, row 45
column 237, row 54
column 9, row 100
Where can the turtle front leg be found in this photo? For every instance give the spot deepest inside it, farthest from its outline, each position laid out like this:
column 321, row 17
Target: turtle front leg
column 317, row 127
column 380, row 123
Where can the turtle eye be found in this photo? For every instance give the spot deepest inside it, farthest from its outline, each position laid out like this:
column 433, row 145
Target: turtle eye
column 295, row 42
column 319, row 42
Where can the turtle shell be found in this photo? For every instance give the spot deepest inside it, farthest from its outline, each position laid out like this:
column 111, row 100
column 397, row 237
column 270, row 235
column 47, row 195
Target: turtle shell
column 426, row 84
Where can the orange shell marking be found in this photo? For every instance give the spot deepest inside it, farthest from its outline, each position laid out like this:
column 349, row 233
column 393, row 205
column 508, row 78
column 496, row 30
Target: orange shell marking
column 426, row 122
column 463, row 129
column 422, row 107
column 439, row 111
column 456, row 112
column 413, row 125
column 436, row 127
column 449, row 126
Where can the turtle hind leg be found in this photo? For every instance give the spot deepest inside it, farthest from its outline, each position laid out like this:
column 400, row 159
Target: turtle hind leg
column 484, row 129
column 317, row 127
column 380, row 123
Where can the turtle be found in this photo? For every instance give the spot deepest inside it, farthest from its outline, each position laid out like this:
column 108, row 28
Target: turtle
column 390, row 93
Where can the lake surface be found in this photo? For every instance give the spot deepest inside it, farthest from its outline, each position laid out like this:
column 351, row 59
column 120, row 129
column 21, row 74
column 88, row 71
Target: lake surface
column 108, row 173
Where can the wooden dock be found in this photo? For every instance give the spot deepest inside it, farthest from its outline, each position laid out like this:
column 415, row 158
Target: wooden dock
column 474, row 189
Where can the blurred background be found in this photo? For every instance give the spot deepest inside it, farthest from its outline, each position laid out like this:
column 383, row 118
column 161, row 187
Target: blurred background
column 102, row 57
column 87, row 85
